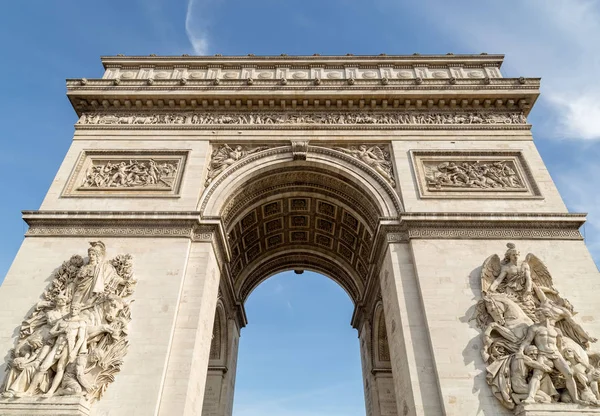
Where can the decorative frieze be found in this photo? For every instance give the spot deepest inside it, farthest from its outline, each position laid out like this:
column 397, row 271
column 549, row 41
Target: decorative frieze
column 127, row 173
column 75, row 339
column 296, row 118
column 534, row 348
column 473, row 174
column 356, row 71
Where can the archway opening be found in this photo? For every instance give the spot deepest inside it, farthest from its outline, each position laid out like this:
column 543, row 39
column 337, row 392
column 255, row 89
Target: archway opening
column 299, row 355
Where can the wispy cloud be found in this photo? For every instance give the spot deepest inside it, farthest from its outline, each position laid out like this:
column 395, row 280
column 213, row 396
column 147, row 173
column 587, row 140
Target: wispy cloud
column 196, row 26
column 548, row 38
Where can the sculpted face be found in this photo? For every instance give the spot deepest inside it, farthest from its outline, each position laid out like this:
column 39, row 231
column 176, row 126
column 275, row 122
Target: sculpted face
column 111, row 309
column 568, row 353
column 496, row 313
column 75, row 308
column 514, row 257
column 531, row 352
column 94, row 256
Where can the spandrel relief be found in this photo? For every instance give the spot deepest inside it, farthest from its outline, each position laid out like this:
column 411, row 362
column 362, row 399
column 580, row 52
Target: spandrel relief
column 375, row 156
column 127, row 173
column 75, row 339
column 223, row 156
column 534, row 348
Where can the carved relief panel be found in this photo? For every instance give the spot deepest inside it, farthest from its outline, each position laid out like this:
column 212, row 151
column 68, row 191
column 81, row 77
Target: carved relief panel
column 473, row 174
column 127, row 173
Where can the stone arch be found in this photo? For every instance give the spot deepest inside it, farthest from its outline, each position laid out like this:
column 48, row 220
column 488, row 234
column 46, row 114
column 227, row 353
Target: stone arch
column 380, row 347
column 281, row 213
column 218, row 345
column 375, row 186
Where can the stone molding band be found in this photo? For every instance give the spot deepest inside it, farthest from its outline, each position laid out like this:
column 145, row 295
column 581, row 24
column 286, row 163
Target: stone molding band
column 561, row 226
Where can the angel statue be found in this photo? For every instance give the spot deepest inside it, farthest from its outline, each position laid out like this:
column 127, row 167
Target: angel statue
column 224, row 156
column 534, row 349
column 509, row 277
column 373, row 157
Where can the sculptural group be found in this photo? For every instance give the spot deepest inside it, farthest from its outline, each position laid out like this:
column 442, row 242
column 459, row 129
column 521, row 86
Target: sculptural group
column 132, row 173
column 74, row 341
column 534, row 349
column 498, row 174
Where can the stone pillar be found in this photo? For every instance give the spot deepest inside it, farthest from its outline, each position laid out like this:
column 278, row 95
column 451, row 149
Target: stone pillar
column 371, row 396
column 410, row 351
column 380, row 397
column 220, row 380
column 187, row 365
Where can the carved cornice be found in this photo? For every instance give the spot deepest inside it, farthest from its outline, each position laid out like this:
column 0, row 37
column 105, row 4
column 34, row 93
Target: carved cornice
column 315, row 82
column 409, row 225
column 288, row 61
column 473, row 226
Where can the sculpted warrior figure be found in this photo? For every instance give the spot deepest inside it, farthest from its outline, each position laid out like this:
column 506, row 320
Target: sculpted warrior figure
column 85, row 307
column 521, row 368
column 544, row 335
column 546, row 353
column 96, row 276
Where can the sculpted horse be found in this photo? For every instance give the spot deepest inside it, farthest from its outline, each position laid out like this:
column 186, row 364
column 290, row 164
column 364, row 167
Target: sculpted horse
column 510, row 321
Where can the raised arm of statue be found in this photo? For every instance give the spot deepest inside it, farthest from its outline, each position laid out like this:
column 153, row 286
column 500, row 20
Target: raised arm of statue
column 528, row 339
column 540, row 294
column 498, row 280
column 527, row 272
column 535, row 364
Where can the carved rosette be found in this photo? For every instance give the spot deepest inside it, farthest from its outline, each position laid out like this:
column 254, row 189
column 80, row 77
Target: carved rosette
column 534, row 349
column 74, row 341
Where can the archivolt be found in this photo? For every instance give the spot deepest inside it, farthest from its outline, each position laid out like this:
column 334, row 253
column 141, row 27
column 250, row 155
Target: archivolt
column 318, row 214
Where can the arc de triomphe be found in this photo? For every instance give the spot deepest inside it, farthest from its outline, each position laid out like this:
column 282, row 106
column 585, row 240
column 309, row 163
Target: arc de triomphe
column 190, row 180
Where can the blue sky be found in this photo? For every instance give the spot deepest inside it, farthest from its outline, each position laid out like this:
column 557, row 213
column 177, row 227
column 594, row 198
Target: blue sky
column 45, row 42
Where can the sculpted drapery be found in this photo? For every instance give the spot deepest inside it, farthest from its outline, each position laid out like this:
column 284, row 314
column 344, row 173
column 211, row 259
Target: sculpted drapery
column 74, row 341
column 535, row 351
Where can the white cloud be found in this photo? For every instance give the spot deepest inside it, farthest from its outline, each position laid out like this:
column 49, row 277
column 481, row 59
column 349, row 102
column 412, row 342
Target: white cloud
column 549, row 38
column 196, row 26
